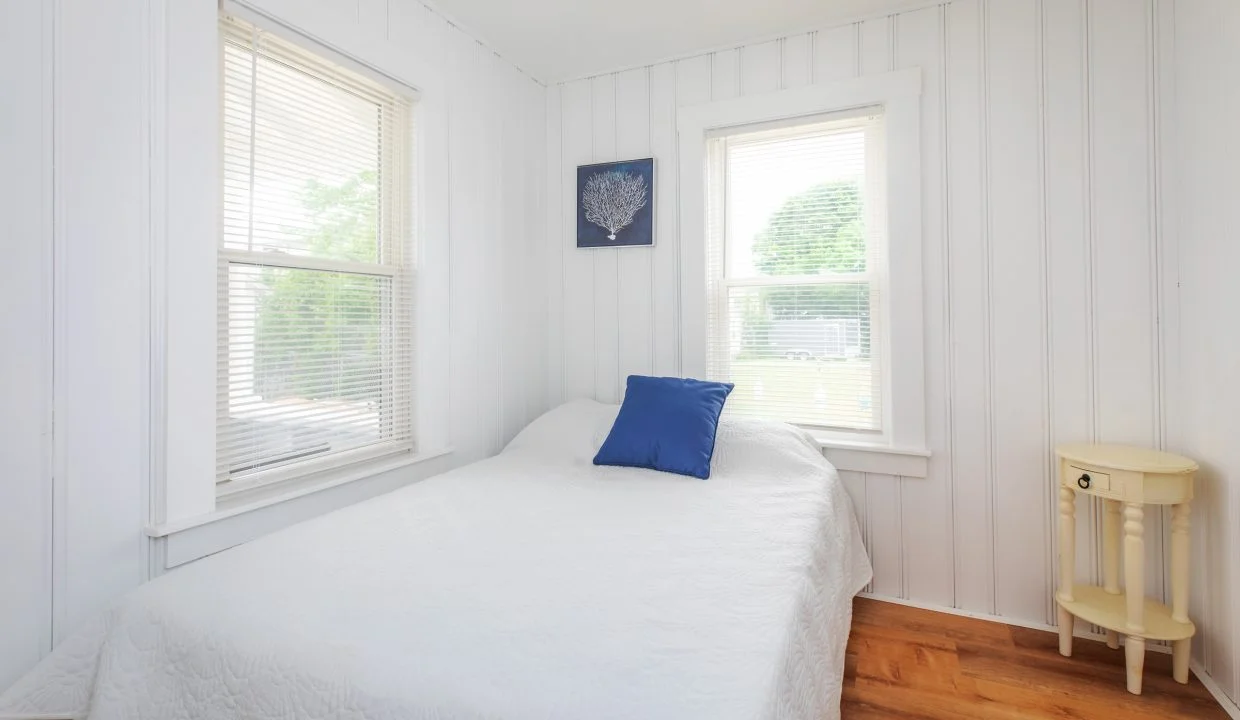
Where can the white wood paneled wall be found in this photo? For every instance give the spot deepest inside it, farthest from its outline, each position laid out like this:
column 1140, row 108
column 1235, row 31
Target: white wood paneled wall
column 1207, row 38
column 25, row 310
column 1046, row 267
column 88, row 230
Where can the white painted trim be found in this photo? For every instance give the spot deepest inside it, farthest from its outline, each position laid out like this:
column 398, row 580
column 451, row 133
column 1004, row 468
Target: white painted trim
column 322, row 482
column 899, row 93
column 900, row 462
column 183, row 272
column 185, row 340
column 304, row 262
column 207, row 539
column 253, row 12
column 830, row 443
column 1077, row 632
column 1229, row 706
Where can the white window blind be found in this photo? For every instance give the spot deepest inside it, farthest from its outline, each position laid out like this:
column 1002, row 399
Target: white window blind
column 315, row 280
column 795, row 252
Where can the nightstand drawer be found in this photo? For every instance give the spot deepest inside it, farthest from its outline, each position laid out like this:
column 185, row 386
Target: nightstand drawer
column 1084, row 478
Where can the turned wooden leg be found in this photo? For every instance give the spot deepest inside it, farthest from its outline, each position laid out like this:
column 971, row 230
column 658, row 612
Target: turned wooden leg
column 1110, row 546
column 1179, row 562
column 1067, row 565
column 1134, row 581
column 1110, row 557
column 1181, row 652
column 1065, row 632
column 1134, row 660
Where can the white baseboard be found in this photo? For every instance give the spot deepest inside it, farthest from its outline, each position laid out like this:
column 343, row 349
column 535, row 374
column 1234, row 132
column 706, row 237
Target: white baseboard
column 1227, row 703
column 1076, row 632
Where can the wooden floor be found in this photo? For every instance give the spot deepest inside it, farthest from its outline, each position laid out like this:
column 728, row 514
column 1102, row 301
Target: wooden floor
column 916, row 664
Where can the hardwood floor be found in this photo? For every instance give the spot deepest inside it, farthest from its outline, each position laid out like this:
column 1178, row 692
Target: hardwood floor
column 920, row 665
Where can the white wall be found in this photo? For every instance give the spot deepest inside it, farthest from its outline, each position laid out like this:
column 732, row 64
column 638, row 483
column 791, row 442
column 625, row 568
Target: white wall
column 1207, row 36
column 1047, row 263
column 25, row 362
column 92, row 220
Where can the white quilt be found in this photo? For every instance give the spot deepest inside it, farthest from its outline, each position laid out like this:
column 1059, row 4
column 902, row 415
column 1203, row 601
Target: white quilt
column 528, row 586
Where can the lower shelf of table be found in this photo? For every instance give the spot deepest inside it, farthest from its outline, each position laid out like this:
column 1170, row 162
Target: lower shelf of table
column 1096, row 606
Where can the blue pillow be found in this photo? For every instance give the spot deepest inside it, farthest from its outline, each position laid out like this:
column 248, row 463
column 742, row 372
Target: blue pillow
column 666, row 424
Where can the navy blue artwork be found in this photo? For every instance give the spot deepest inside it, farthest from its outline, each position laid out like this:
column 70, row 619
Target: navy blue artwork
column 615, row 204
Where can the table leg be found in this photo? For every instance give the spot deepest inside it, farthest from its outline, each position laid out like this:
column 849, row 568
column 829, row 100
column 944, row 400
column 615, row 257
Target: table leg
column 1067, row 564
column 1110, row 557
column 1181, row 649
column 1134, row 581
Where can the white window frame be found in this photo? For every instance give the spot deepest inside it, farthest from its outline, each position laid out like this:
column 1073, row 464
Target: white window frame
column 901, row 448
column 396, row 263
column 185, row 246
column 720, row 285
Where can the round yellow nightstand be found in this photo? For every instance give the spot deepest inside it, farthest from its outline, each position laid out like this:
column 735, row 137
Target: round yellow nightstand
column 1132, row 478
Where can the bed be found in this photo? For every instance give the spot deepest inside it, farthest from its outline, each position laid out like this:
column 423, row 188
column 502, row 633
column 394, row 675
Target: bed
column 529, row 585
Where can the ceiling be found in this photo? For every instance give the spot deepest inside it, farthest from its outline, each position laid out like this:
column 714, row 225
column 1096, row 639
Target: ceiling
column 556, row 40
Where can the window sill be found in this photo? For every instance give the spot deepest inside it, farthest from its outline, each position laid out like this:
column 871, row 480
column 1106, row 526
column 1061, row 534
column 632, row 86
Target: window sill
column 255, row 500
column 856, row 456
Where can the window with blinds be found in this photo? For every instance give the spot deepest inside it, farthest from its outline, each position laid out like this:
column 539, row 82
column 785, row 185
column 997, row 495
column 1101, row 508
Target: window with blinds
column 795, row 255
column 315, row 273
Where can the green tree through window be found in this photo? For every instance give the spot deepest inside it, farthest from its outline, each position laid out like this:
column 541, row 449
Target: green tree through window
column 311, row 320
column 818, row 231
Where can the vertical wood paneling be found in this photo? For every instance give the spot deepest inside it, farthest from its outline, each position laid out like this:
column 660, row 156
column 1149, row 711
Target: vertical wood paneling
column 1016, row 323
column 514, row 231
column 665, row 296
column 725, row 73
column 884, row 507
column 466, row 207
column 102, row 305
column 926, row 507
column 577, row 133
column 95, row 131
column 1017, row 99
column 968, row 294
column 854, row 483
column 694, row 80
column 1125, row 277
column 1120, row 119
column 606, row 261
column 1206, row 175
column 539, row 269
column 556, row 240
column 25, row 306
column 797, row 63
column 884, row 531
column 636, row 272
column 490, row 167
column 761, row 70
column 1067, row 231
column 876, row 45
column 836, row 53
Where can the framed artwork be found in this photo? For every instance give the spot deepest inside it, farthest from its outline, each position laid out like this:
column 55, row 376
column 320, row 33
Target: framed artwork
column 615, row 204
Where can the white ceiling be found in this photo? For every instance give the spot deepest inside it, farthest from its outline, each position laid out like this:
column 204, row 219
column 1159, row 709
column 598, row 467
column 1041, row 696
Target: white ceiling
column 556, row 40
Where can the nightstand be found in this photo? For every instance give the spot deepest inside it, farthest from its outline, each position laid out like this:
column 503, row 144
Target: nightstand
column 1126, row 479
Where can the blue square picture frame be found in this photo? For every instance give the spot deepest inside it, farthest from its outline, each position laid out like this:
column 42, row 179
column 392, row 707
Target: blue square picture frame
column 615, row 204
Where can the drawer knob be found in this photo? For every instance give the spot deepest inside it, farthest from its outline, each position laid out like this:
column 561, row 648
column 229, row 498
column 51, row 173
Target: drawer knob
column 1083, row 481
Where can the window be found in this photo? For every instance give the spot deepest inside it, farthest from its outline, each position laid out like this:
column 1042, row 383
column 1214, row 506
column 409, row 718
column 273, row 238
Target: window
column 795, row 244
column 315, row 329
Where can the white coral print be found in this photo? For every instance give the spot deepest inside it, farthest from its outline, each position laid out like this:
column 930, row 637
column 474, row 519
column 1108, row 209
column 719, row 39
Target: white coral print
column 612, row 199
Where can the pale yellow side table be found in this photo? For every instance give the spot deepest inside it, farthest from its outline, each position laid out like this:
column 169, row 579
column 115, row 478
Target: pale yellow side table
column 1130, row 477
